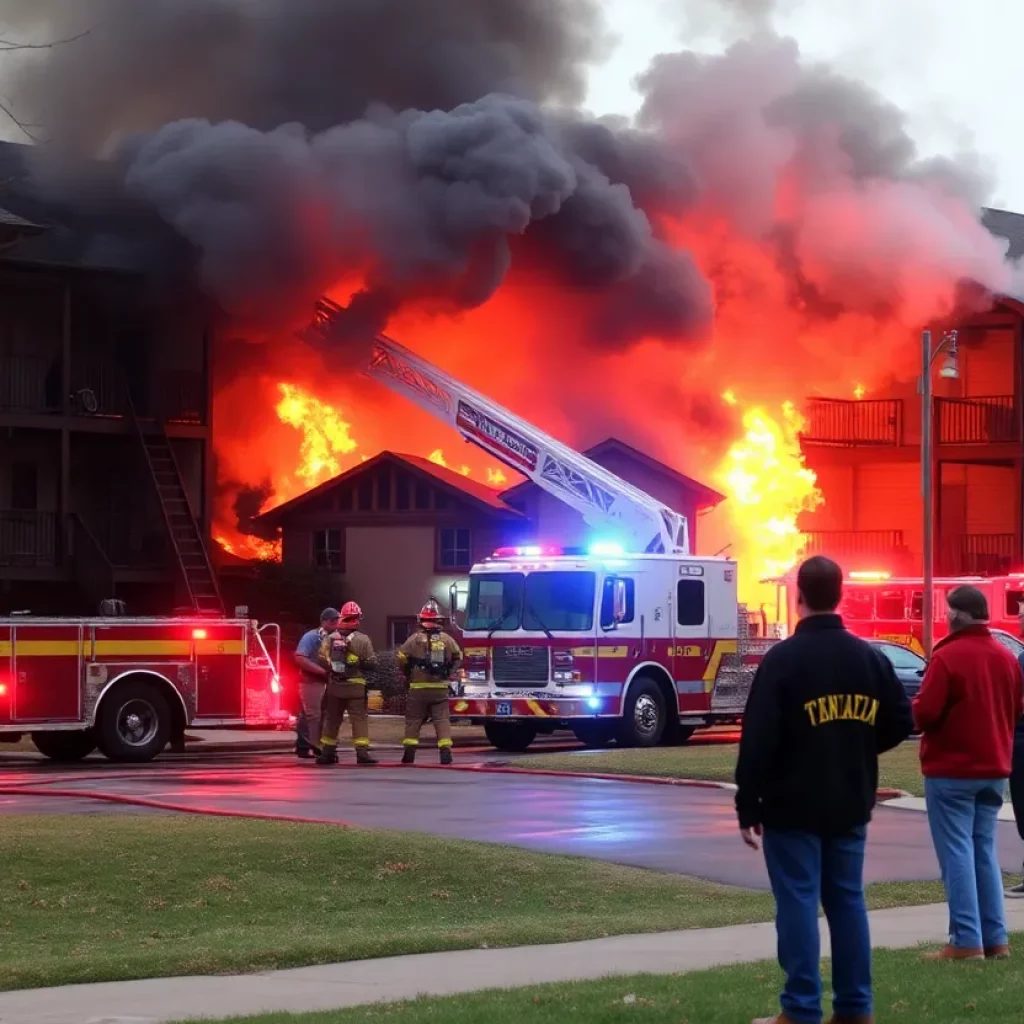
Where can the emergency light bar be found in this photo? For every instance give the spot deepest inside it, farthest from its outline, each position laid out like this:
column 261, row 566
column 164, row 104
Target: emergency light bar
column 872, row 576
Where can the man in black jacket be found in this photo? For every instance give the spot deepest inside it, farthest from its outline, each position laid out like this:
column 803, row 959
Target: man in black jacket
column 823, row 706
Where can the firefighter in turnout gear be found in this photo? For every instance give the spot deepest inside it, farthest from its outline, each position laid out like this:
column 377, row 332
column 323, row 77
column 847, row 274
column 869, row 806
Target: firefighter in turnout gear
column 429, row 658
column 348, row 654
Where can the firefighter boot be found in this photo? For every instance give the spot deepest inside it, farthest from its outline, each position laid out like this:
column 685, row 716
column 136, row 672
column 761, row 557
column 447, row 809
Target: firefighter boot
column 409, row 754
column 446, row 755
column 363, row 756
column 328, row 755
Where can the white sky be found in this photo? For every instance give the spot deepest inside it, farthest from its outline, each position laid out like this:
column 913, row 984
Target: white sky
column 954, row 68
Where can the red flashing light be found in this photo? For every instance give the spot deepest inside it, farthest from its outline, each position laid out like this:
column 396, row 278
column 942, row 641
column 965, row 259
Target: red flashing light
column 275, row 684
column 198, row 634
column 3, row 689
column 871, row 576
column 529, row 551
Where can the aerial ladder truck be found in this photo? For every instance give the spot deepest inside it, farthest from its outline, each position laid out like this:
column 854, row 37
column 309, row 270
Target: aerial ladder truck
column 632, row 638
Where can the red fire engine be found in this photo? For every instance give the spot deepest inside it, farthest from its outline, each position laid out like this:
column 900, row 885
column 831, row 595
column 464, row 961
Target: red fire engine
column 129, row 686
column 634, row 638
column 885, row 607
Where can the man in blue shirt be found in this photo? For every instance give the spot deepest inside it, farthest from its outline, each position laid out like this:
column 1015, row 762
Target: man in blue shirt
column 1016, row 892
column 312, row 683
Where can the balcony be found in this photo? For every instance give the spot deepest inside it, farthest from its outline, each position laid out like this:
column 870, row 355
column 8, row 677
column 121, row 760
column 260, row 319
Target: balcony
column 985, row 420
column 853, row 542
column 851, row 423
column 29, row 540
column 30, row 383
column 177, row 396
column 978, row 554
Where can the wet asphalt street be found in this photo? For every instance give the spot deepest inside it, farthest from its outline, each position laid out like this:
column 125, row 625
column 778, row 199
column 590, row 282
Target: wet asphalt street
column 667, row 828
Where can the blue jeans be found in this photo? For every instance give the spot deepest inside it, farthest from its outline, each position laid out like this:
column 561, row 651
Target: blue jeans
column 805, row 871
column 963, row 814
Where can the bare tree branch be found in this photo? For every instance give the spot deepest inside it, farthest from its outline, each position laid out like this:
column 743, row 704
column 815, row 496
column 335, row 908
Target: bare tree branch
column 9, row 44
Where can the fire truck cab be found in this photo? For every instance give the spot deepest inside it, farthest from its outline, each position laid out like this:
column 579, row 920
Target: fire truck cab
column 876, row 605
column 638, row 648
column 130, row 686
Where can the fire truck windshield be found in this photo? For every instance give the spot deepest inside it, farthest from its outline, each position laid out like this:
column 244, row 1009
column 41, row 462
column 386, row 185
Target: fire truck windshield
column 555, row 601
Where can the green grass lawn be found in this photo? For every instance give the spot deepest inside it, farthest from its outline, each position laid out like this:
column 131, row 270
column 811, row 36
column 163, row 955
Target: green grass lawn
column 102, row 898
column 899, row 769
column 906, row 990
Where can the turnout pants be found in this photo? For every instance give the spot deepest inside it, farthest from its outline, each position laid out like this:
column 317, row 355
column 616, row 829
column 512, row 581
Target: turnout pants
column 427, row 703
column 342, row 698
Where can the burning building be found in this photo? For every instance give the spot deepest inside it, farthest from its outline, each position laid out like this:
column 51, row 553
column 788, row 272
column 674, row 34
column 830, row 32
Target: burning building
column 733, row 283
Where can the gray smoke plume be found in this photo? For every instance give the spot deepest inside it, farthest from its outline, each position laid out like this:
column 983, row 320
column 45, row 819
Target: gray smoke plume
column 424, row 147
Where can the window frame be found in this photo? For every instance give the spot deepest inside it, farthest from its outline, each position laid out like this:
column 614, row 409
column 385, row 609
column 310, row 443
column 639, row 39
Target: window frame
column 314, row 550
column 440, row 566
column 679, row 603
column 607, row 592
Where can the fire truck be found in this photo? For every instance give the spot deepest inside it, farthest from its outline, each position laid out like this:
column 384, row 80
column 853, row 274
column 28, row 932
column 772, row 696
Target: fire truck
column 878, row 605
column 130, row 686
column 633, row 639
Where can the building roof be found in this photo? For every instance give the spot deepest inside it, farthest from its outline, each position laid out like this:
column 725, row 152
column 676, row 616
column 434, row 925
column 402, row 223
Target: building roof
column 462, row 487
column 707, row 497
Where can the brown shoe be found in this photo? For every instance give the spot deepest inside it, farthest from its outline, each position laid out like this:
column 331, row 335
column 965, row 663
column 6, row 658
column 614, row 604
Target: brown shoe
column 997, row 952
column 780, row 1019
column 955, row 953
column 861, row 1019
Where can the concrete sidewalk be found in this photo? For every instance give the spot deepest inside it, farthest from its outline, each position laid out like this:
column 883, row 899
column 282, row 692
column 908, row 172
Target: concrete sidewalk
column 352, row 984
column 917, row 803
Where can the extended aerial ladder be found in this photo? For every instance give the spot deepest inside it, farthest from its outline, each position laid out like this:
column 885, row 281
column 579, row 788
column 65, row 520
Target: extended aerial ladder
column 605, row 501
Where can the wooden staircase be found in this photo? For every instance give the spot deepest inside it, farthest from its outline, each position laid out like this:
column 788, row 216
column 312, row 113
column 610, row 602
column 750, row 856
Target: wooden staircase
column 182, row 527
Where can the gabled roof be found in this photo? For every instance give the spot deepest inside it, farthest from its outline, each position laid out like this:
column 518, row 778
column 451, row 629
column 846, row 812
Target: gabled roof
column 707, row 497
column 470, row 491
column 1006, row 225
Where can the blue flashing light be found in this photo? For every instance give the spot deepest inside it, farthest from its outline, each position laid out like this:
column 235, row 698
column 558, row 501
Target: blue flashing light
column 586, row 690
column 602, row 549
column 594, row 703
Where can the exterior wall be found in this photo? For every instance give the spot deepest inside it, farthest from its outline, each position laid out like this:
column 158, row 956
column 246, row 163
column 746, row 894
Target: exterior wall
column 42, row 449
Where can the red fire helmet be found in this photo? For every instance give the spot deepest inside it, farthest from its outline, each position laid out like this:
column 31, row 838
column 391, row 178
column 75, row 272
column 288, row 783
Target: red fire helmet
column 351, row 612
column 430, row 616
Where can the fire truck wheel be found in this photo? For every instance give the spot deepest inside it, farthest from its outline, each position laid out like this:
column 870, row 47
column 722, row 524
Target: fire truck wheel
column 512, row 737
column 595, row 733
column 643, row 719
column 134, row 722
column 65, row 746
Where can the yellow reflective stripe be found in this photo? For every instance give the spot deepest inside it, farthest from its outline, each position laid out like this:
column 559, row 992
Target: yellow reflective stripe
column 363, row 741
column 476, row 652
column 128, row 648
column 208, row 647
column 443, row 743
column 410, row 743
column 44, row 648
column 612, row 652
column 722, row 648
column 536, row 708
column 428, row 686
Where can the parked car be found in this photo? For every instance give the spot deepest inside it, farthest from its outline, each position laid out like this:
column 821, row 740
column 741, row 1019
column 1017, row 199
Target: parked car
column 908, row 665
column 1012, row 643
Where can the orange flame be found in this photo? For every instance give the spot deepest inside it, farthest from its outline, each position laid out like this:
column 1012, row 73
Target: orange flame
column 325, row 435
column 858, row 391
column 437, row 457
column 768, row 486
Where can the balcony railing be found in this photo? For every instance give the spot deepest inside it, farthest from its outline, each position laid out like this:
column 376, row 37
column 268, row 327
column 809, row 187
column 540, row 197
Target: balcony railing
column 853, row 542
column 845, row 423
column 978, row 554
column 29, row 539
column 30, row 383
column 985, row 420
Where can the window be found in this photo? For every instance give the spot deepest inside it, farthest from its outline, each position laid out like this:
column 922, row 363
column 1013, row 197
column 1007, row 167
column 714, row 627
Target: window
column 690, row 603
column 901, row 657
column 559, row 601
column 453, row 548
column 608, row 601
column 1014, row 602
column 890, row 605
column 327, row 550
column 495, row 601
column 24, row 486
column 399, row 630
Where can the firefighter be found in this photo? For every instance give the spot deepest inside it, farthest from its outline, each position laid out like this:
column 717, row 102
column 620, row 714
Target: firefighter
column 428, row 659
column 349, row 654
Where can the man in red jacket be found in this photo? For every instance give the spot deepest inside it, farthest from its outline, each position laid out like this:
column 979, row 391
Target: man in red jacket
column 967, row 709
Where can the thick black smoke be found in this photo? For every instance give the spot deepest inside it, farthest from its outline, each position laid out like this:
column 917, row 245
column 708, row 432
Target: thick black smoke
column 423, row 146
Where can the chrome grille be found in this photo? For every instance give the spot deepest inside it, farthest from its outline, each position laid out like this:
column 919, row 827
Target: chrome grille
column 516, row 665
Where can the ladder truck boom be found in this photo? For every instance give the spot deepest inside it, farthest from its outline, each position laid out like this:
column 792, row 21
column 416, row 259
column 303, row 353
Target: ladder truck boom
column 604, row 500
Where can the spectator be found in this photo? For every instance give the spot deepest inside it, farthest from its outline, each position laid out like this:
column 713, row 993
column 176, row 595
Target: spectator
column 312, row 685
column 823, row 706
column 967, row 710
column 1016, row 892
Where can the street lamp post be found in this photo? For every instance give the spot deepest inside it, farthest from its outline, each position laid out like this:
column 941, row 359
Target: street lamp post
column 950, row 370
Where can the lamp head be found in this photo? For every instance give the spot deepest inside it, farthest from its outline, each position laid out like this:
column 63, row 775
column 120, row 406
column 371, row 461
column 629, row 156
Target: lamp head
column 950, row 369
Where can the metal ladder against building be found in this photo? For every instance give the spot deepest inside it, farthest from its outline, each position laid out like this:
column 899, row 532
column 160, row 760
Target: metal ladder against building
column 182, row 527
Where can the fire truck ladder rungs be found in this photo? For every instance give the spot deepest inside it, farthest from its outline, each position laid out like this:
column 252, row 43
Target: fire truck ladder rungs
column 186, row 537
column 604, row 500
